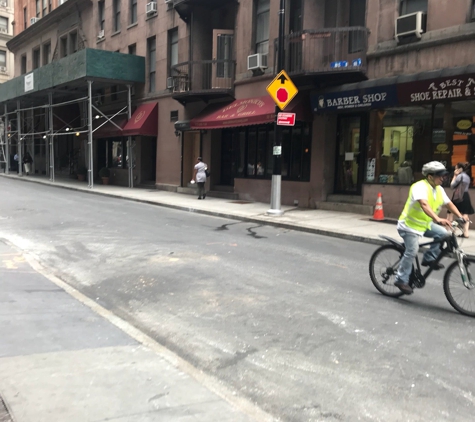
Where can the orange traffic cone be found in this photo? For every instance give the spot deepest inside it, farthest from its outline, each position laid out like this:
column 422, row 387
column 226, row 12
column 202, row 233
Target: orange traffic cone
column 378, row 214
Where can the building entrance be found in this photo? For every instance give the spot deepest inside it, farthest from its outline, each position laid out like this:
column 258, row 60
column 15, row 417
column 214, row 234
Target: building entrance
column 350, row 154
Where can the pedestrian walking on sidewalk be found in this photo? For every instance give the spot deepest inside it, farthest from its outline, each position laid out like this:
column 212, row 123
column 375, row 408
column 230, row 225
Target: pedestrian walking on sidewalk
column 460, row 182
column 27, row 163
column 199, row 176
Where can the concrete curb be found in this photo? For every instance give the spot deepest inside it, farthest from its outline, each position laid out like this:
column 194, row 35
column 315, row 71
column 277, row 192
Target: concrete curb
column 288, row 226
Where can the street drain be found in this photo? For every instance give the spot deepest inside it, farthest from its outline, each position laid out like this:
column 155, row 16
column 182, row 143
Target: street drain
column 241, row 202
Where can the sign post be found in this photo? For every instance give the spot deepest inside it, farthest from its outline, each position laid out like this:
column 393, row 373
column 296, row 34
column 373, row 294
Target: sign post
column 280, row 95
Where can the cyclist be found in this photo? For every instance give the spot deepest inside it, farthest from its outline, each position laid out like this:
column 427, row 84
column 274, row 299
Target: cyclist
column 420, row 218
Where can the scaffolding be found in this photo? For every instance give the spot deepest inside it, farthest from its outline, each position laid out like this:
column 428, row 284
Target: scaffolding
column 18, row 132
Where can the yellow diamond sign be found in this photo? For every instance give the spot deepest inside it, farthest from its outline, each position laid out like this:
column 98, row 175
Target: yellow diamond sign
column 282, row 90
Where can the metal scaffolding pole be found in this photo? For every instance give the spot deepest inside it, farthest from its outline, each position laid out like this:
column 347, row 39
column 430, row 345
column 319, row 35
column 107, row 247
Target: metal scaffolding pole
column 7, row 141
column 89, row 142
column 20, row 139
column 51, row 137
column 130, row 150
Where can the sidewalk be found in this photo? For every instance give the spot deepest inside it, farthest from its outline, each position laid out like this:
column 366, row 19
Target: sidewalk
column 329, row 223
column 61, row 360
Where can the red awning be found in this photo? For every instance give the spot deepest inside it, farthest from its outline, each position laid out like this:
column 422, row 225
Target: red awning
column 245, row 112
column 108, row 130
column 144, row 121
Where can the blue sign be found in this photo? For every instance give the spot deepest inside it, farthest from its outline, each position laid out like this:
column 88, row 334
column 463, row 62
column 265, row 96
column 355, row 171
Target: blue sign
column 356, row 63
column 374, row 97
column 335, row 65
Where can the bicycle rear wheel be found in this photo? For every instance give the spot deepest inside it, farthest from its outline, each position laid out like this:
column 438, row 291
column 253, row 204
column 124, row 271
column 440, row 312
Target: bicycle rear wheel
column 383, row 268
column 459, row 294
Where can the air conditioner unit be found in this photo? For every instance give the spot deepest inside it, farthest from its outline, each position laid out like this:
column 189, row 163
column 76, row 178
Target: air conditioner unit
column 151, row 8
column 170, row 82
column 257, row 62
column 3, row 69
column 4, row 30
column 3, row 4
column 100, row 36
column 411, row 24
column 34, row 20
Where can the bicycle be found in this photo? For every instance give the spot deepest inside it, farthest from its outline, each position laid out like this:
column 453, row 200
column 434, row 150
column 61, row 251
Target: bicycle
column 458, row 280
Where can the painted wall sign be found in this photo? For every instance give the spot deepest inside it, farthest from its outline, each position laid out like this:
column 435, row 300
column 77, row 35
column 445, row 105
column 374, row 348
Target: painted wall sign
column 378, row 97
column 456, row 88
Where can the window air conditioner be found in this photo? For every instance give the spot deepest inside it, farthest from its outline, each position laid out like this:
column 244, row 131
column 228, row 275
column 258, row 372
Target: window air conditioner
column 170, row 82
column 100, row 36
column 3, row 4
column 257, row 62
column 3, row 69
column 151, row 8
column 412, row 24
column 34, row 20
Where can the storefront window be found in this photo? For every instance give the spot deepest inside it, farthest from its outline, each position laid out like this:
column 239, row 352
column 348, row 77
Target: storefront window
column 408, row 137
column 117, row 154
column 251, row 154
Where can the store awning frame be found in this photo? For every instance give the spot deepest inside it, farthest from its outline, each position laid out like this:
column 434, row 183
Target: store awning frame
column 143, row 122
column 247, row 112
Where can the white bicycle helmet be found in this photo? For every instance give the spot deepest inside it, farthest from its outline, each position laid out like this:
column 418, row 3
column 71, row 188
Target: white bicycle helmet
column 434, row 167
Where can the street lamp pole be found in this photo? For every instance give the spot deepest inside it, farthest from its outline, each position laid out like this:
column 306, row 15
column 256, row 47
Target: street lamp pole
column 275, row 208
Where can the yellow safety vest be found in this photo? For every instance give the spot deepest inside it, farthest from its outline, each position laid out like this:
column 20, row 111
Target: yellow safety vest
column 414, row 216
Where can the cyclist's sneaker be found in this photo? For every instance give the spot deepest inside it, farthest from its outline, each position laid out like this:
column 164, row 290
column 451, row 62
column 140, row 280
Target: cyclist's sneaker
column 436, row 267
column 405, row 288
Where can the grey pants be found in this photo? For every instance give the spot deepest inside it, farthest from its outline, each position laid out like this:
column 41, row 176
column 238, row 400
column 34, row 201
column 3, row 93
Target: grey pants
column 201, row 189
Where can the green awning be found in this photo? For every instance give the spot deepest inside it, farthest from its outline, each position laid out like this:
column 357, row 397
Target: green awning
column 74, row 70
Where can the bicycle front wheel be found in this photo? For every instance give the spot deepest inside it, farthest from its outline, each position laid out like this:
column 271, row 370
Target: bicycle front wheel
column 383, row 268
column 460, row 293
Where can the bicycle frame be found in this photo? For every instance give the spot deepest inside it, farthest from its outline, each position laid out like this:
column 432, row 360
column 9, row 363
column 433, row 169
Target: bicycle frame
column 452, row 246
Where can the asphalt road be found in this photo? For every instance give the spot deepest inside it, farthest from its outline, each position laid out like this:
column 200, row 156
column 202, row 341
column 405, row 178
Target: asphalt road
column 287, row 319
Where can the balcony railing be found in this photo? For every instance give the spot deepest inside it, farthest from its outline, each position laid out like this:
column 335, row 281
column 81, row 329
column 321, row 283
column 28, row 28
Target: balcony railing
column 202, row 76
column 326, row 50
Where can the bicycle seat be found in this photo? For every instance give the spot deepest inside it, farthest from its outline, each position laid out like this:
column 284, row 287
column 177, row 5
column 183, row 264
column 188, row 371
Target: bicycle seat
column 393, row 241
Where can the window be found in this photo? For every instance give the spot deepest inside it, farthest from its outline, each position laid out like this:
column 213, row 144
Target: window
column 116, row 16
column 133, row 49
column 172, row 49
column 38, row 8
column 3, row 24
column 117, row 153
column 45, row 7
column 46, row 53
column 472, row 14
column 101, row 15
column 151, row 50
column 3, row 58
column 23, row 64
column 411, row 6
column 36, row 58
column 73, row 42
column 50, row 5
column 261, row 26
column 25, row 19
column 63, row 47
column 114, row 93
column 247, row 152
column 133, row 11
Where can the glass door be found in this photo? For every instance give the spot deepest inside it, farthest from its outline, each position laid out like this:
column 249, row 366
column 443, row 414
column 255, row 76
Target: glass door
column 349, row 156
column 222, row 67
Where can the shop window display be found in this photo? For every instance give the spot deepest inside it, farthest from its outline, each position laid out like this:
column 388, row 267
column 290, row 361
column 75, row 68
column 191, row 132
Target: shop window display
column 406, row 138
column 249, row 150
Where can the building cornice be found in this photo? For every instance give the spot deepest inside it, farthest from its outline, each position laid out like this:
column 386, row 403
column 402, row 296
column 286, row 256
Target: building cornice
column 44, row 23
